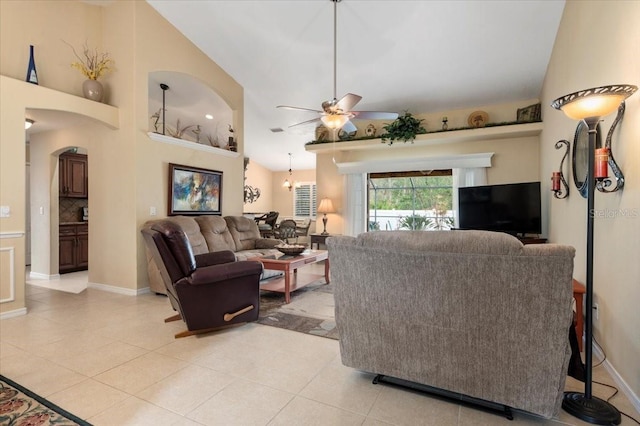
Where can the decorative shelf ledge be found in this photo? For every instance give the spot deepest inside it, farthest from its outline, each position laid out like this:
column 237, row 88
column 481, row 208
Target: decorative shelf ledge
column 453, row 136
column 193, row 145
column 36, row 97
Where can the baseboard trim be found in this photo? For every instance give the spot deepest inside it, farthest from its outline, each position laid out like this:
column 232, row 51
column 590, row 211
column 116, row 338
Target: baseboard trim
column 624, row 387
column 14, row 313
column 119, row 290
column 39, row 276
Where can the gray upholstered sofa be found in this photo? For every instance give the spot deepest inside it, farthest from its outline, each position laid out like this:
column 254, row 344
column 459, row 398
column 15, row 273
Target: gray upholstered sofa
column 471, row 312
column 214, row 233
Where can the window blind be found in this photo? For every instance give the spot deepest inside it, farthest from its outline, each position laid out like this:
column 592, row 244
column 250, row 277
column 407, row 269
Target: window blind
column 304, row 200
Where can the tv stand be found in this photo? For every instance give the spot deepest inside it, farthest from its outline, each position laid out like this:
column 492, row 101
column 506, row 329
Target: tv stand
column 532, row 240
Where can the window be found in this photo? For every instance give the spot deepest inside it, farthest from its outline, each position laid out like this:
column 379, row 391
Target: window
column 410, row 200
column 304, row 200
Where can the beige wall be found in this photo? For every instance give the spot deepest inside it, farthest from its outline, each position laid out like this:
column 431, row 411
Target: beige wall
column 48, row 25
column 273, row 195
column 330, row 184
column 259, row 177
column 599, row 44
column 159, row 46
column 282, row 199
column 127, row 171
column 514, row 160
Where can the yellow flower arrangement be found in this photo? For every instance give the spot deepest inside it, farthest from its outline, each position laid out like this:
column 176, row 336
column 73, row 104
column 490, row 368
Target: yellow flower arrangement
column 94, row 65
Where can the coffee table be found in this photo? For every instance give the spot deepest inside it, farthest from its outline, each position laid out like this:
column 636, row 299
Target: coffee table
column 289, row 265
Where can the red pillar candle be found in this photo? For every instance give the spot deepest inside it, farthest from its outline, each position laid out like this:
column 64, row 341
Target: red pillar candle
column 602, row 159
column 555, row 181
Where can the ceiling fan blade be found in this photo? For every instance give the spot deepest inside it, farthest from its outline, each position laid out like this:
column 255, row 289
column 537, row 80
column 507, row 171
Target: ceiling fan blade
column 298, row 108
column 348, row 101
column 314, row 120
column 374, row 115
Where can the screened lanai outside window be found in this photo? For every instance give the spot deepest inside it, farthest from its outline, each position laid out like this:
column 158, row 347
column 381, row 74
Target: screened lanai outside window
column 410, row 200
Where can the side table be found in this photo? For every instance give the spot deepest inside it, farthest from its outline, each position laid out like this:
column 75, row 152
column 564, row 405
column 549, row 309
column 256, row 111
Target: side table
column 578, row 292
column 319, row 239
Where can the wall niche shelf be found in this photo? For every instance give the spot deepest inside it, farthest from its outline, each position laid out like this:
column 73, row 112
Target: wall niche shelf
column 193, row 145
column 452, row 136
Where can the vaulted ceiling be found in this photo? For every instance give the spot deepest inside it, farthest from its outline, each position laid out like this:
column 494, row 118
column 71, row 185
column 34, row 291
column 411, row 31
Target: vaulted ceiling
column 421, row 56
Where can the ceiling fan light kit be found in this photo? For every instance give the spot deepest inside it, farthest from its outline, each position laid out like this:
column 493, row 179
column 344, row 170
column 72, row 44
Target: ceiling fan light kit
column 334, row 121
column 336, row 113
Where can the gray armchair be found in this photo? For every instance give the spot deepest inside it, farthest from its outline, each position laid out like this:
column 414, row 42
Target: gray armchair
column 302, row 230
column 286, row 230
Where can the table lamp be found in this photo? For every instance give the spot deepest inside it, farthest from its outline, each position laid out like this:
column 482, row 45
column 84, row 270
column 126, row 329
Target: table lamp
column 326, row 206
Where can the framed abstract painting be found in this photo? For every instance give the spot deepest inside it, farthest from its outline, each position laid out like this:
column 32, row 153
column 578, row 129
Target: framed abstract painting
column 194, row 191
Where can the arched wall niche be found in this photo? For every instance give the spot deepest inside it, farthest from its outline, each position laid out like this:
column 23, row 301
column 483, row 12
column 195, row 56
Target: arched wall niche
column 188, row 105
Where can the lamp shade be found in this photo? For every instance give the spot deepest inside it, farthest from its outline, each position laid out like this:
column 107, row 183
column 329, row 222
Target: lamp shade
column 334, row 121
column 326, row 206
column 28, row 123
column 595, row 102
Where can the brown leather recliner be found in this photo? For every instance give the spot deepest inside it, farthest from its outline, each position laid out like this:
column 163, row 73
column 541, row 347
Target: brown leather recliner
column 209, row 290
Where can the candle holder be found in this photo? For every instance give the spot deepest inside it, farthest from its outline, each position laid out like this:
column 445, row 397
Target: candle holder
column 602, row 183
column 559, row 185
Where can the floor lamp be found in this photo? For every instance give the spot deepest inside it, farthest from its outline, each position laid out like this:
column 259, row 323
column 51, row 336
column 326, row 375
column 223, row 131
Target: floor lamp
column 591, row 105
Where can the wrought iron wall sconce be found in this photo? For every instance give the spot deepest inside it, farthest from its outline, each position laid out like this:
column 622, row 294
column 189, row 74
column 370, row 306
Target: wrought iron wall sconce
column 559, row 185
column 251, row 194
column 604, row 157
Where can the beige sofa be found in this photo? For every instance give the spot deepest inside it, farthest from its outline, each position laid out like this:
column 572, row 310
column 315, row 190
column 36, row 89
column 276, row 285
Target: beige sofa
column 470, row 312
column 214, row 233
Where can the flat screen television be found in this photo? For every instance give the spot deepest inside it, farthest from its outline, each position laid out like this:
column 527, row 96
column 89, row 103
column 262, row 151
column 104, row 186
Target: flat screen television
column 513, row 208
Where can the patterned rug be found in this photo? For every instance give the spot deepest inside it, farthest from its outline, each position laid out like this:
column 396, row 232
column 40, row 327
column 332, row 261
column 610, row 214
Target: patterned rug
column 21, row 407
column 310, row 311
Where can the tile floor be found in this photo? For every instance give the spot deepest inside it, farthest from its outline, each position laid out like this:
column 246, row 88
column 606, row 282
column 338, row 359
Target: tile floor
column 111, row 359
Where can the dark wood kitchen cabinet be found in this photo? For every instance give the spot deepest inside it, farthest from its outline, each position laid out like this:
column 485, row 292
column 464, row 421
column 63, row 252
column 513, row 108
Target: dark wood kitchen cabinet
column 73, row 176
column 74, row 247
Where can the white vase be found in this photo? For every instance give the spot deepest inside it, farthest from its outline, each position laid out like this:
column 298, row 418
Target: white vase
column 92, row 89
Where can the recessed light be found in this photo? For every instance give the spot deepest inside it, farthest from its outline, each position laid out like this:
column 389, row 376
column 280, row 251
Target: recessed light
column 277, row 129
column 208, row 117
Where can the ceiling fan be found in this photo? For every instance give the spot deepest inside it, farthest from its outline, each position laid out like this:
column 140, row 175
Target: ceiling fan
column 336, row 113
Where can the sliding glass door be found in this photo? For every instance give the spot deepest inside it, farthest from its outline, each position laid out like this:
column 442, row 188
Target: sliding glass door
column 420, row 200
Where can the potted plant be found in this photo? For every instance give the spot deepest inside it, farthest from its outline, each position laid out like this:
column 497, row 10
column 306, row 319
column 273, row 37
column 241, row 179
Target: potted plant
column 92, row 65
column 404, row 128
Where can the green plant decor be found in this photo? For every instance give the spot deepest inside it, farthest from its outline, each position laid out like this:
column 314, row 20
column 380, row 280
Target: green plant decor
column 404, row 128
column 414, row 222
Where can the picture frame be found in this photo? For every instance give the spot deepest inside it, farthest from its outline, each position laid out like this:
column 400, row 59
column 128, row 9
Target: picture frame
column 529, row 114
column 194, row 191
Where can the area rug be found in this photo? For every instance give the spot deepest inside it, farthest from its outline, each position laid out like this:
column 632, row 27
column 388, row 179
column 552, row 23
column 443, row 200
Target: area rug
column 21, row 407
column 310, row 311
